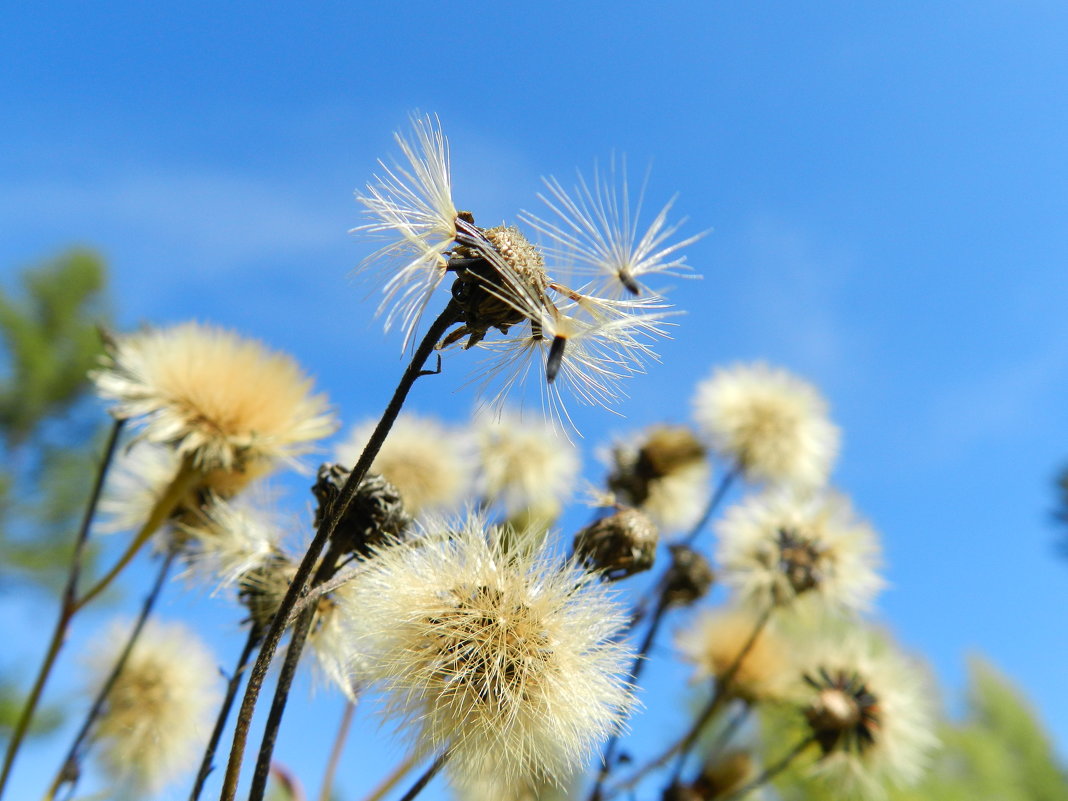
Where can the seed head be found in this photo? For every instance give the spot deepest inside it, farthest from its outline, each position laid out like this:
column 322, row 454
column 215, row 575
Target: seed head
column 689, row 578
column 619, row 545
column 375, row 515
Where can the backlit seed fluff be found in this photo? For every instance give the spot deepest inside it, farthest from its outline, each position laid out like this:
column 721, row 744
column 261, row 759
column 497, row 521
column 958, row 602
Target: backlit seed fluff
column 870, row 710
column 770, row 423
column 220, row 400
column 427, row 462
column 410, row 206
column 714, row 642
column 665, row 472
column 228, row 541
column 159, row 713
column 508, row 658
column 524, row 463
column 807, row 552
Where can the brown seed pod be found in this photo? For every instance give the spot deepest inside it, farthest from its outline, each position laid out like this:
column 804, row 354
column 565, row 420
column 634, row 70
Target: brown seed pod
column 620, row 545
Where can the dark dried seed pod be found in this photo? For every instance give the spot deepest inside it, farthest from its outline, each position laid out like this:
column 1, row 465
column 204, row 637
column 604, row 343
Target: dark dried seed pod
column 689, row 578
column 619, row 545
column 375, row 516
column 664, row 451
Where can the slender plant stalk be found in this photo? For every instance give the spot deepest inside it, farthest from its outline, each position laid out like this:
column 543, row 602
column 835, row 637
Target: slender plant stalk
column 336, row 751
column 66, row 607
column 224, row 712
column 683, row 745
column 391, row 781
column 713, row 502
column 185, row 480
column 424, row 780
column 324, row 533
column 68, row 770
column 772, row 771
column 301, row 630
column 659, row 591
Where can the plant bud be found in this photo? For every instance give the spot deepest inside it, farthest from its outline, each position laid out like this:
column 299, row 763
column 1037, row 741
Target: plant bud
column 619, row 545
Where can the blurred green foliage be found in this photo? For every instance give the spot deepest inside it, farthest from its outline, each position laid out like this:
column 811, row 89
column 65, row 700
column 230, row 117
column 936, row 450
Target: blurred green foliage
column 49, row 325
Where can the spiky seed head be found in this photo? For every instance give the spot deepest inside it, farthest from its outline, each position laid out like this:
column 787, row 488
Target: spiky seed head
column 770, row 423
column 619, row 545
column 714, row 643
column 158, row 714
column 665, row 472
column 428, row 463
column 689, row 578
column 375, row 515
column 222, row 401
column 524, row 463
column 799, row 550
column 506, row 657
column 869, row 710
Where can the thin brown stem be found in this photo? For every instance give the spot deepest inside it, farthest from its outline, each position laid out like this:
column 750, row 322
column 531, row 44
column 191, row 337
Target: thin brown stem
column 336, row 751
column 66, row 608
column 713, row 502
column 772, row 771
column 424, row 780
column 393, row 779
column 69, row 767
column 232, row 685
column 322, row 535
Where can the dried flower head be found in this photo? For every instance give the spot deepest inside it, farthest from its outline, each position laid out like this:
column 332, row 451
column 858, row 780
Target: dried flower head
column 428, row 463
column 717, row 639
column 689, row 578
column 770, row 423
column 781, row 548
column 158, row 714
column 375, row 515
column 596, row 230
column 665, row 472
column 524, row 464
column 504, row 657
column 869, row 710
column 618, row 545
column 221, row 401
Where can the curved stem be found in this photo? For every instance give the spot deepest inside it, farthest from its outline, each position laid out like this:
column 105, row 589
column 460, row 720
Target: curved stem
column 324, row 533
column 183, row 482
column 713, row 502
column 424, row 780
column 224, row 712
column 772, row 771
column 68, row 771
column 399, row 772
column 66, row 608
column 336, row 751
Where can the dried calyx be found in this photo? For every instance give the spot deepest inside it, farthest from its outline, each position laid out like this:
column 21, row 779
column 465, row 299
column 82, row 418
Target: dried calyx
column 666, row 450
column 844, row 715
column 689, row 578
column 800, row 561
column 376, row 514
column 620, row 545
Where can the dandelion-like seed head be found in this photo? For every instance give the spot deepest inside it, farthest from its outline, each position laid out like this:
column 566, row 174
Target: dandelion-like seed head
column 524, row 464
column 502, row 656
column 222, row 401
column 717, row 639
column 784, row 548
column 158, row 713
column 770, row 423
column 665, row 472
column 426, row 462
column 869, row 712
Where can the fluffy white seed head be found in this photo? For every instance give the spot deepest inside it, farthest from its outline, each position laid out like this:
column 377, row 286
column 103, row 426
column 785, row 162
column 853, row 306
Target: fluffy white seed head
column 870, row 711
column 410, row 206
column 801, row 551
column 222, row 401
column 159, row 713
column 507, row 658
column 770, row 423
column 429, row 463
column 524, row 463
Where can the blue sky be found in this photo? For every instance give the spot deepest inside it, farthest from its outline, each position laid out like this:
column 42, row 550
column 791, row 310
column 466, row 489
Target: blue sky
column 885, row 187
